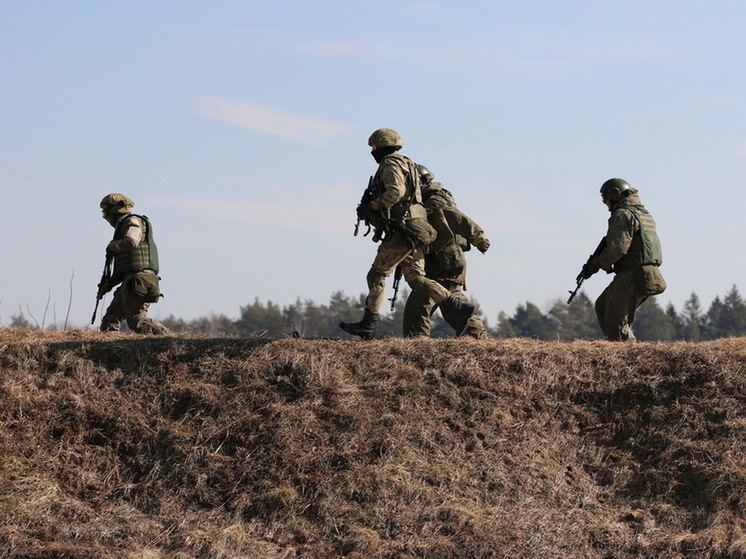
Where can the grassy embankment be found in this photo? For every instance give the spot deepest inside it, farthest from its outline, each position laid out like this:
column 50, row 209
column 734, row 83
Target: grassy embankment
column 126, row 446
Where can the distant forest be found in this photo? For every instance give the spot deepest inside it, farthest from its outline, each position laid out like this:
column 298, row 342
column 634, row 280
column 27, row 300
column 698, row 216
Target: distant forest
column 725, row 317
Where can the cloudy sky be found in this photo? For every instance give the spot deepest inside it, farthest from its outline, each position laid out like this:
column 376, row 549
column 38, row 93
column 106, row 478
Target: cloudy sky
column 240, row 129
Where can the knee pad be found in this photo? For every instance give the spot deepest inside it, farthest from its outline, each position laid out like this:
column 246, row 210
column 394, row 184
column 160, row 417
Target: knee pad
column 375, row 279
column 419, row 284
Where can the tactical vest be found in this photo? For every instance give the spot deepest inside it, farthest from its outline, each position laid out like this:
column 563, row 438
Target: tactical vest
column 645, row 249
column 401, row 210
column 145, row 255
column 449, row 263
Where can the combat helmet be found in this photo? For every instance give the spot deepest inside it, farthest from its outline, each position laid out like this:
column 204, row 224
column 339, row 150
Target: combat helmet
column 385, row 137
column 614, row 189
column 425, row 175
column 115, row 204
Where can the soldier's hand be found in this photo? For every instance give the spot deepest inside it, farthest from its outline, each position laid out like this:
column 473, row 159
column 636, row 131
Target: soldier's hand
column 103, row 289
column 482, row 244
column 365, row 211
column 585, row 273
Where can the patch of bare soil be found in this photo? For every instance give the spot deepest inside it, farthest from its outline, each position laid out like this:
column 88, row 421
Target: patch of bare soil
column 181, row 447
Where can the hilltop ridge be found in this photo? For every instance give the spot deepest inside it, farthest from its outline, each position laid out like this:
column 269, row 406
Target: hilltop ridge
column 187, row 446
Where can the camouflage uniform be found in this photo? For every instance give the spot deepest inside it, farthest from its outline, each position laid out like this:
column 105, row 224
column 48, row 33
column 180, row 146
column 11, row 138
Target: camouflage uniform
column 445, row 263
column 400, row 220
column 633, row 253
column 135, row 256
column 399, row 199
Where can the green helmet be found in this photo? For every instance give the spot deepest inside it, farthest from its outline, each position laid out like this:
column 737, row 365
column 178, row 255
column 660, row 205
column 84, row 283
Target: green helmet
column 385, row 137
column 115, row 203
column 614, row 189
column 425, row 175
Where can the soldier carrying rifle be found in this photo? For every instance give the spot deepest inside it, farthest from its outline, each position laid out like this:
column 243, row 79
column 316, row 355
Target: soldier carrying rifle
column 134, row 255
column 400, row 220
column 632, row 251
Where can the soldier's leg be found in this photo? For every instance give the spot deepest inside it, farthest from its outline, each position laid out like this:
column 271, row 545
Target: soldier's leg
column 417, row 312
column 390, row 254
column 413, row 269
column 615, row 308
column 114, row 314
column 136, row 313
column 474, row 327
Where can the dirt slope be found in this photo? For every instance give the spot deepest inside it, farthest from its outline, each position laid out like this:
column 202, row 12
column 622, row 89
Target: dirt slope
column 125, row 446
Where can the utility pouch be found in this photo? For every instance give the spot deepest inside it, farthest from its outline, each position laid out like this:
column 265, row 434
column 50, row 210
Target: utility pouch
column 650, row 280
column 422, row 230
column 146, row 288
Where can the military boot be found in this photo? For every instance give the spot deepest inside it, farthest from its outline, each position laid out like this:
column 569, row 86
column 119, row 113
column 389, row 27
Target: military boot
column 461, row 312
column 366, row 328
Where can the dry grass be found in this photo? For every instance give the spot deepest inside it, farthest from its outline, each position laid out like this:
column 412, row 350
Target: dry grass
column 136, row 447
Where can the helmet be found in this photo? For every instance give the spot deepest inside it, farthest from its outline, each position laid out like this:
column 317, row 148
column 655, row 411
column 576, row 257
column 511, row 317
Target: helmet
column 116, row 203
column 425, row 175
column 614, row 189
column 384, row 137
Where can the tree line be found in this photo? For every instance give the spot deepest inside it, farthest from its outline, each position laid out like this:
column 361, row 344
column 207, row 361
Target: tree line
column 725, row 317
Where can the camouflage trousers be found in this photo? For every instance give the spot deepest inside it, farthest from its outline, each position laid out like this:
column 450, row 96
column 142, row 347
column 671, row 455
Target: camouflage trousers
column 392, row 253
column 419, row 309
column 616, row 306
column 126, row 306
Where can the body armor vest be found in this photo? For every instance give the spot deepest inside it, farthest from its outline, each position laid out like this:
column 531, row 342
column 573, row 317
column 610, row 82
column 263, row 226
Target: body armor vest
column 401, row 210
column 645, row 249
column 145, row 255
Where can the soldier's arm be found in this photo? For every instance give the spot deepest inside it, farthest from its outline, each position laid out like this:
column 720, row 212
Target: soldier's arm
column 622, row 226
column 463, row 225
column 132, row 237
column 395, row 186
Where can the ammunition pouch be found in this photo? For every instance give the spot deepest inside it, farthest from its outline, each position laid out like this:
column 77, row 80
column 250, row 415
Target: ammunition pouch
column 145, row 287
column 649, row 280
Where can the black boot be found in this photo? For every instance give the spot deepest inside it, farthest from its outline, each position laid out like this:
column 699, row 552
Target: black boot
column 366, row 328
column 461, row 313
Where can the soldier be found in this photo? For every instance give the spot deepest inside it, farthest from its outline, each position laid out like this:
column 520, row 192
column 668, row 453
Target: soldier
column 445, row 262
column 633, row 252
column 400, row 220
column 135, row 257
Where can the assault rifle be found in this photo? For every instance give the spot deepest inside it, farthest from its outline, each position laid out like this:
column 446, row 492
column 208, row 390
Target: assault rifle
column 581, row 276
column 397, row 279
column 105, row 277
column 368, row 195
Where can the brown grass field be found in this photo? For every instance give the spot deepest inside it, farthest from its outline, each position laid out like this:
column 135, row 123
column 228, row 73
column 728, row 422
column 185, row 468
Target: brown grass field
column 195, row 447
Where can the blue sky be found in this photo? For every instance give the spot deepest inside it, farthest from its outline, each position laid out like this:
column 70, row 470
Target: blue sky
column 240, row 129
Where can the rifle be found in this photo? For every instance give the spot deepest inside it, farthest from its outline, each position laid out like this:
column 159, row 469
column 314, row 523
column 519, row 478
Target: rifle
column 397, row 279
column 581, row 278
column 368, row 195
column 105, row 276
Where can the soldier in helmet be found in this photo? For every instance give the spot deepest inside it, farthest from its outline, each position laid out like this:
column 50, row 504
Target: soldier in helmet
column 135, row 258
column 400, row 220
column 633, row 253
column 445, row 261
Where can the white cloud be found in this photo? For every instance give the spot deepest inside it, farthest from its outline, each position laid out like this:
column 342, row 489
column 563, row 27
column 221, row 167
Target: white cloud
column 298, row 128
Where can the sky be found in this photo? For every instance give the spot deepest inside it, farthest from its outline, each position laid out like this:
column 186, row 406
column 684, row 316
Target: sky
column 240, row 129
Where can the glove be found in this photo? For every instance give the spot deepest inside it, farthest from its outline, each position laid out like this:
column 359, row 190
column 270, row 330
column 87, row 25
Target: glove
column 103, row 288
column 482, row 244
column 585, row 273
column 365, row 211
